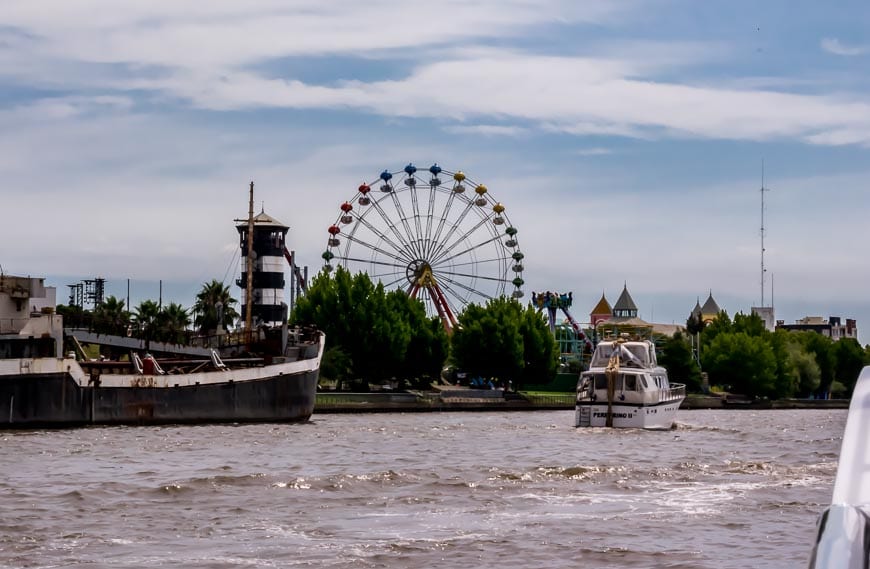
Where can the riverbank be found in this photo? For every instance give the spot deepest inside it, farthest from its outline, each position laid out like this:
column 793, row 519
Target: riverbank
column 497, row 400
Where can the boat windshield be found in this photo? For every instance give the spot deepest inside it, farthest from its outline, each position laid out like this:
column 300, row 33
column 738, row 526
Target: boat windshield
column 631, row 353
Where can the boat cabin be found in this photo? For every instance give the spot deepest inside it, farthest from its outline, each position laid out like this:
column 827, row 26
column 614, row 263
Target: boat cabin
column 631, row 354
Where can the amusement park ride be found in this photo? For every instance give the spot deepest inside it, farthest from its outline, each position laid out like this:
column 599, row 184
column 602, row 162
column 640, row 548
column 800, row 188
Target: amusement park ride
column 553, row 302
column 438, row 235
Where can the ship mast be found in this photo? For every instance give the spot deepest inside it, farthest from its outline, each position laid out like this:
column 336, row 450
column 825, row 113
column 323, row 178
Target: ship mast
column 249, row 269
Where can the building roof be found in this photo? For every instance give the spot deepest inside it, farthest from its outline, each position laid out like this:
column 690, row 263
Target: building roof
column 262, row 219
column 710, row 306
column 696, row 312
column 633, row 321
column 603, row 307
column 625, row 302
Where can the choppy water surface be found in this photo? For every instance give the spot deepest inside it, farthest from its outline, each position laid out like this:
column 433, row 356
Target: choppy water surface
column 724, row 489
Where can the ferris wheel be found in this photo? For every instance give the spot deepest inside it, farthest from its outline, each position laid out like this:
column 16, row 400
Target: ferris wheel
column 437, row 235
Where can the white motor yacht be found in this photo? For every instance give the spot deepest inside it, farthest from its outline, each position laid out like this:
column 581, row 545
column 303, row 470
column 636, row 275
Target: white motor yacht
column 625, row 387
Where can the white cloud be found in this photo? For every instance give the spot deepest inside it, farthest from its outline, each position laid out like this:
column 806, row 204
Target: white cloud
column 835, row 46
column 229, row 33
column 207, row 56
column 596, row 151
column 573, row 95
column 487, row 130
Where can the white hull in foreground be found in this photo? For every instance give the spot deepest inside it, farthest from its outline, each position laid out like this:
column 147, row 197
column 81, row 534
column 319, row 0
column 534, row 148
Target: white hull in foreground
column 843, row 540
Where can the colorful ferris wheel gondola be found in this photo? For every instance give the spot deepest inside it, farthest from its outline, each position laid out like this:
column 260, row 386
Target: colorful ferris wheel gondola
column 425, row 232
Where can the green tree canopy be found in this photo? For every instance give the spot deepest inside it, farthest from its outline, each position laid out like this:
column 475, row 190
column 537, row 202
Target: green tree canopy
column 719, row 325
column 849, row 360
column 504, row 341
column 145, row 317
column 540, row 350
column 678, row 359
column 379, row 336
column 821, row 348
column 751, row 324
column 694, row 324
column 744, row 363
column 428, row 343
column 111, row 317
column 172, row 323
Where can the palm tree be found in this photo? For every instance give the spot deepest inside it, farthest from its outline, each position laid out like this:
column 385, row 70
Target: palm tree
column 214, row 306
column 172, row 323
column 111, row 317
column 146, row 321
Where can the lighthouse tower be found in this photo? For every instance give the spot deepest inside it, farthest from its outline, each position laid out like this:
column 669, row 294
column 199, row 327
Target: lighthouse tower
column 267, row 306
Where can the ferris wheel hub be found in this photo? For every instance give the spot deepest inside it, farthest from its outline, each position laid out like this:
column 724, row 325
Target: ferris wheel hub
column 419, row 273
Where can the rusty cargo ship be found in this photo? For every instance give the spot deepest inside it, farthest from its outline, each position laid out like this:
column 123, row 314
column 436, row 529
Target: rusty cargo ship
column 266, row 371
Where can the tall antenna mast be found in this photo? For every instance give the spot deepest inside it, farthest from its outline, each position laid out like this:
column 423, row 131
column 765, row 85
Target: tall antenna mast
column 763, row 270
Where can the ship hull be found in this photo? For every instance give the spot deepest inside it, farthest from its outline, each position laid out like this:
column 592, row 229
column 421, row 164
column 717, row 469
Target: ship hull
column 59, row 400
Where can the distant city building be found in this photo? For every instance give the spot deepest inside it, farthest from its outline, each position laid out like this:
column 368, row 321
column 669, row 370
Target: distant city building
column 767, row 316
column 833, row 327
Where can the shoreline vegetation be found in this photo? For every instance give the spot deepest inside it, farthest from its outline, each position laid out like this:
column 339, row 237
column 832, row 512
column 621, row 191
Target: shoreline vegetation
column 497, row 400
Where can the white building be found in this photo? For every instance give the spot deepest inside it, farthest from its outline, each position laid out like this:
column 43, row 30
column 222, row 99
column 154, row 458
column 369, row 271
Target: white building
column 767, row 316
column 833, row 327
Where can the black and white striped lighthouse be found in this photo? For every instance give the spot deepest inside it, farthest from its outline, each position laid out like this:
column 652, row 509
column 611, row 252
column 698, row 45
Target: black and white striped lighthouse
column 267, row 266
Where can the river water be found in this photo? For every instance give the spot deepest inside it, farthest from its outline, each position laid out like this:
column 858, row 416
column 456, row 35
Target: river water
column 723, row 489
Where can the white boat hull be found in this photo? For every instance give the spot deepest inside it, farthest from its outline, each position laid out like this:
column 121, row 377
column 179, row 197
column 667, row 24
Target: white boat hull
column 659, row 416
column 843, row 539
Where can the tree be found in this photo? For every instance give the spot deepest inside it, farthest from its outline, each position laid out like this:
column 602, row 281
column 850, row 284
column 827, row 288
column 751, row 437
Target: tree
column 540, row 351
column 787, row 379
column 214, row 306
column 849, row 360
column 172, row 323
column 721, row 324
column 752, row 324
column 694, row 324
column 677, row 358
column 381, row 336
column 806, row 371
column 74, row 316
column 111, row 317
column 504, row 341
column 145, row 317
column 822, row 349
column 336, row 365
column 743, row 362
column 428, row 343
column 488, row 341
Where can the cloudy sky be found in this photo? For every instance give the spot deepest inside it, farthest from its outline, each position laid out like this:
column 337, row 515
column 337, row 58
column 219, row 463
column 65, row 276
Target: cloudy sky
column 626, row 138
